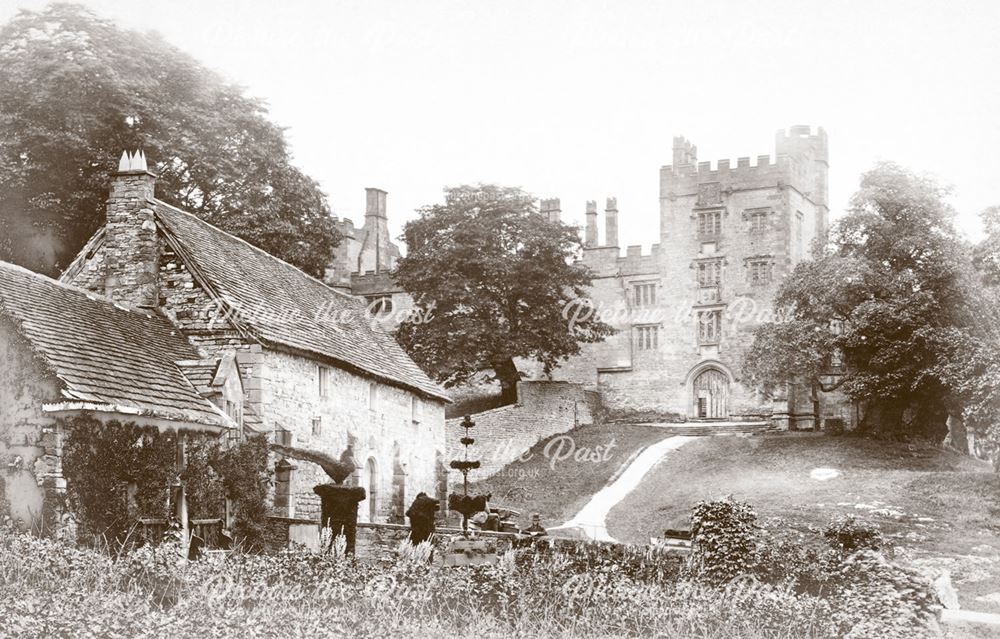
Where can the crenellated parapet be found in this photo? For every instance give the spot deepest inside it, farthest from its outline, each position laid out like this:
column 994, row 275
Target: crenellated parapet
column 605, row 261
column 372, row 283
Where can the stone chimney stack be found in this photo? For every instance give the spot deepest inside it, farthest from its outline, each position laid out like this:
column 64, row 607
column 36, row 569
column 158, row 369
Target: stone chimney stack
column 550, row 209
column 375, row 254
column 590, row 234
column 611, row 222
column 132, row 247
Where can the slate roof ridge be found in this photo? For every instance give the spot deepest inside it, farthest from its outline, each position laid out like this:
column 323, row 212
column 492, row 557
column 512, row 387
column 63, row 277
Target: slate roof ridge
column 346, row 296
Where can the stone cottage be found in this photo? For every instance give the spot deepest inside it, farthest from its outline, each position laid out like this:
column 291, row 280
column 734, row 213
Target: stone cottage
column 315, row 370
column 63, row 352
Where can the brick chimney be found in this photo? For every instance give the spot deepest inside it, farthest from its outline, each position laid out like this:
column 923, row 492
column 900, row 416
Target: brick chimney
column 611, row 222
column 590, row 234
column 375, row 254
column 132, row 248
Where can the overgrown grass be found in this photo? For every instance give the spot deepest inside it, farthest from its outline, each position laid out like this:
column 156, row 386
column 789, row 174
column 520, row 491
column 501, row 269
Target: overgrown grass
column 48, row 589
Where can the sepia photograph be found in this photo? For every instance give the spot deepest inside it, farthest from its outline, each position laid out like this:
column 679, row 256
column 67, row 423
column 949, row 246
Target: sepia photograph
column 445, row 319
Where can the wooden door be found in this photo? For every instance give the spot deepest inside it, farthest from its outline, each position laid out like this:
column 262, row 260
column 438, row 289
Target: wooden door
column 711, row 395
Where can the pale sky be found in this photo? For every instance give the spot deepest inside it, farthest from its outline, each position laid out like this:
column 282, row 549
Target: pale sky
column 580, row 100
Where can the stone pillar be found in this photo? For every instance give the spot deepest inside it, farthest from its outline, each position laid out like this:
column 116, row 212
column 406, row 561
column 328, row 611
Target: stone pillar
column 611, row 222
column 684, row 152
column 550, row 209
column 131, row 242
column 590, row 236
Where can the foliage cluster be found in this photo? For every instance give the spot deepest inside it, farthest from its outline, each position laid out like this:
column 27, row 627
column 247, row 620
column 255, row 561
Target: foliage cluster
column 49, row 589
column 868, row 595
column 117, row 472
column 79, row 89
column 897, row 310
column 499, row 278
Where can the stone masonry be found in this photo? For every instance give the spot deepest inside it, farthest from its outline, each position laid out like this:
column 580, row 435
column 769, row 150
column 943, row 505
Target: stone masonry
column 503, row 434
column 397, row 434
column 686, row 310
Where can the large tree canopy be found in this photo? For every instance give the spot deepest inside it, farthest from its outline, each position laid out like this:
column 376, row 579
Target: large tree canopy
column 892, row 295
column 76, row 90
column 497, row 278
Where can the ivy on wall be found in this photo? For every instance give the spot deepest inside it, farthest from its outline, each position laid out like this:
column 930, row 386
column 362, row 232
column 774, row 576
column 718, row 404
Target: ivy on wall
column 118, row 472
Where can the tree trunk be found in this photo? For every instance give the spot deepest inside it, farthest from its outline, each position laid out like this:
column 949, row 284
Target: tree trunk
column 508, row 376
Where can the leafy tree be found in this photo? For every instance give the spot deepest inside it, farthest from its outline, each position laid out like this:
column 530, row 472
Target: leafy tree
column 892, row 280
column 77, row 90
column 498, row 278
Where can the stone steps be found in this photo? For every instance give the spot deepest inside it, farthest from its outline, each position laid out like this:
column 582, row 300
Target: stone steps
column 696, row 429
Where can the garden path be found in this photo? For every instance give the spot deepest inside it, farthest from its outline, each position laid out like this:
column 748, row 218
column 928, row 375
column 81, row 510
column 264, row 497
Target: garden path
column 590, row 521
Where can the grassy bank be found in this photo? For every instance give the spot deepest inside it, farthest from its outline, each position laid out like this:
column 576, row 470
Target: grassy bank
column 553, row 482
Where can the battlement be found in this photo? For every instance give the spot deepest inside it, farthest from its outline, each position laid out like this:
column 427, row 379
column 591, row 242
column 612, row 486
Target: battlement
column 551, row 204
column 371, row 283
column 550, row 209
column 608, row 260
column 802, row 141
column 763, row 162
column 803, row 131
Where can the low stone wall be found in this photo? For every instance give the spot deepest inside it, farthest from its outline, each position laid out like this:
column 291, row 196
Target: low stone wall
column 503, row 434
column 374, row 541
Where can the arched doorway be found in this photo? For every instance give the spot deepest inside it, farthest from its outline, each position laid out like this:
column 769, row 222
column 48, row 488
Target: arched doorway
column 711, row 394
column 369, row 479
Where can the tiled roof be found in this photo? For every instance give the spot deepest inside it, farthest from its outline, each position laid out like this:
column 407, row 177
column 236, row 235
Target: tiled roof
column 282, row 305
column 200, row 372
column 103, row 354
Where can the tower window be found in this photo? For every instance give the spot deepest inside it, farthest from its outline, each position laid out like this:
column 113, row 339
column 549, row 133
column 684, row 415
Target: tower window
column 709, row 327
column 647, row 338
column 709, row 223
column 317, row 426
column 709, row 273
column 644, row 294
column 757, row 221
column 759, row 272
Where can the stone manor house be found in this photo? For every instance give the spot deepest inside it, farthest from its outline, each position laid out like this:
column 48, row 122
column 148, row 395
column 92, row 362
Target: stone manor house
column 167, row 321
column 686, row 310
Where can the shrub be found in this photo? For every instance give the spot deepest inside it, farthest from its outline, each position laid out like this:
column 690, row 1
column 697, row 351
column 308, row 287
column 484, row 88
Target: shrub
column 849, row 535
column 118, row 471
column 872, row 597
column 723, row 540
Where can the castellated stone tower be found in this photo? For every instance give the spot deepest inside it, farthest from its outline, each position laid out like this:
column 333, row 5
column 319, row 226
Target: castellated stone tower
column 728, row 234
